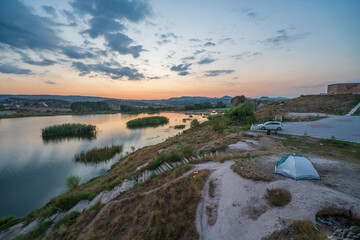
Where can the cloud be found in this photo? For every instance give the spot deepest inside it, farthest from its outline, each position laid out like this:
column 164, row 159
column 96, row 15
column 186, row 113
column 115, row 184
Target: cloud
column 194, row 40
column 282, row 36
column 28, row 60
column 199, row 51
column 10, row 69
column 106, row 16
column 223, row 40
column 102, row 25
column 69, row 16
column 152, row 78
column 50, row 82
column 247, row 12
column 166, row 38
column 77, row 52
column 188, row 58
column 44, row 62
column 183, row 73
column 169, row 35
column 49, row 10
column 120, row 43
column 206, row 61
column 209, row 44
column 131, row 10
column 113, row 72
column 20, row 28
column 181, row 69
column 246, row 54
column 214, row 73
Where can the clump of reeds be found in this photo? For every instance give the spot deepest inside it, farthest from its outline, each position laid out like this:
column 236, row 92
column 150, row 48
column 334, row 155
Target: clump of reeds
column 69, row 129
column 96, row 155
column 147, row 122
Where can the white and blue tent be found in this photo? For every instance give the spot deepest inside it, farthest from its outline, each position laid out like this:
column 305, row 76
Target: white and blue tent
column 297, row 167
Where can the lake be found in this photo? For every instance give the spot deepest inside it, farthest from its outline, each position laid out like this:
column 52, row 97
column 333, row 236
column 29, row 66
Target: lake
column 32, row 170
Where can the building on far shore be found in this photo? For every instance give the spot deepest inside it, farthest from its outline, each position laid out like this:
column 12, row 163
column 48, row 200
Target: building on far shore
column 343, row 88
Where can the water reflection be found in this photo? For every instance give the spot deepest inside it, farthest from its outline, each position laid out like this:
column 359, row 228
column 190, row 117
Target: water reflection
column 33, row 170
column 48, row 140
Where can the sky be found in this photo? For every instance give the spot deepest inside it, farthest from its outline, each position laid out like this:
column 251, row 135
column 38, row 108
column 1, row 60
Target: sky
column 137, row 49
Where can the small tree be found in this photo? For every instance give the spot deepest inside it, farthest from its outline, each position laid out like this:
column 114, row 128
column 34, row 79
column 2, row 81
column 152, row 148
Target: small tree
column 72, row 182
column 243, row 113
column 194, row 123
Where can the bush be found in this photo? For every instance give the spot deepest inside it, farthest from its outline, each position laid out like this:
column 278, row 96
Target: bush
column 68, row 129
column 72, row 182
column 179, row 126
column 187, row 152
column 243, row 113
column 67, row 220
column 147, row 122
column 278, row 196
column 66, row 202
column 195, row 123
column 9, row 221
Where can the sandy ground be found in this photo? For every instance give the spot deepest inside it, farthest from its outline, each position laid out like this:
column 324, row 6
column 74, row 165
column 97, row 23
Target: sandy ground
column 239, row 209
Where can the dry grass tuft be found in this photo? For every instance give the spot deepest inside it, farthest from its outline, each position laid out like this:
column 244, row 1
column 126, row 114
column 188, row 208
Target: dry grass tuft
column 250, row 169
column 212, row 186
column 278, row 196
column 298, row 230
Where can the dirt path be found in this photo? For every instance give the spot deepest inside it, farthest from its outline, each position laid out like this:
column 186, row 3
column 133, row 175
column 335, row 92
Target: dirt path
column 243, row 212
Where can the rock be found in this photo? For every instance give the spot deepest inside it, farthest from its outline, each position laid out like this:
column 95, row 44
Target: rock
column 350, row 235
column 237, row 100
column 355, row 229
column 345, row 233
column 337, row 233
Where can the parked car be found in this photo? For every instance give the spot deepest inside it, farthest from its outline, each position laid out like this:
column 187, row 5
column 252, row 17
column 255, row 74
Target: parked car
column 271, row 126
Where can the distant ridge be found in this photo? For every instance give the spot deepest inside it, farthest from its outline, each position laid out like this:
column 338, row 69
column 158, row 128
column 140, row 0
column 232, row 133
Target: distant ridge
column 173, row 100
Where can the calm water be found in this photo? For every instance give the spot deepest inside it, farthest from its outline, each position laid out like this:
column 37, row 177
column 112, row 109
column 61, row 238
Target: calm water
column 32, row 171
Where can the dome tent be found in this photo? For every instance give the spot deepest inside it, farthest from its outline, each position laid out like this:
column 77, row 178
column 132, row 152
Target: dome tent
column 297, row 167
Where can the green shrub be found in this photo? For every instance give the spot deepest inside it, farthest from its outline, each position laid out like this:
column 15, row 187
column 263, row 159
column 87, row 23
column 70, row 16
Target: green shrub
column 68, row 130
column 9, row 221
column 67, row 220
column 179, row 126
column 195, row 123
column 72, row 182
column 243, row 113
column 96, row 155
column 147, row 122
column 65, row 202
column 187, row 152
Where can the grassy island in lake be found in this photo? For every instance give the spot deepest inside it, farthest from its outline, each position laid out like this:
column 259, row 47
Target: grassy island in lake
column 96, row 155
column 68, row 130
column 147, row 122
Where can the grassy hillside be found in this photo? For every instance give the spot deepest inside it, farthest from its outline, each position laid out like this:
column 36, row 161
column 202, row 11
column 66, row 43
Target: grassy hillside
column 329, row 104
column 164, row 206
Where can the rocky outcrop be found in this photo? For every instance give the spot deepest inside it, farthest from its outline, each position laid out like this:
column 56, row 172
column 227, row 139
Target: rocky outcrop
column 237, row 100
column 259, row 103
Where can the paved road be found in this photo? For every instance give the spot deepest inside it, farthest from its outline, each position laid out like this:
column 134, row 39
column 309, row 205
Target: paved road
column 345, row 128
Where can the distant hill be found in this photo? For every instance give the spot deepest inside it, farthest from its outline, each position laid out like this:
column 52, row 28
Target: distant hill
column 184, row 100
column 170, row 101
column 56, row 97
